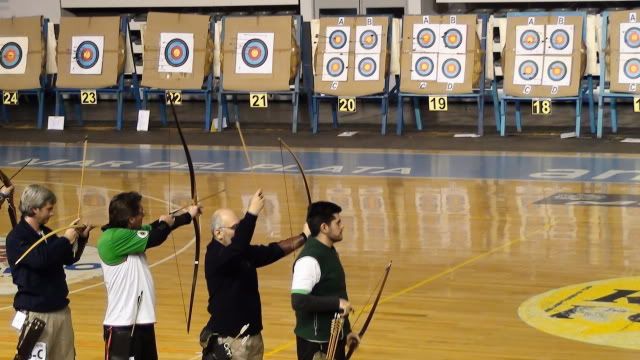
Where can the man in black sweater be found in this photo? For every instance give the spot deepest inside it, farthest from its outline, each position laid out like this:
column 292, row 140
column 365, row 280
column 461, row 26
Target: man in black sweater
column 232, row 280
column 40, row 278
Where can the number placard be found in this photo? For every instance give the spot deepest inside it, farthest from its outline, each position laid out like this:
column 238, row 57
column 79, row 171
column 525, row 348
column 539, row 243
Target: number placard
column 636, row 104
column 10, row 97
column 88, row 97
column 173, row 96
column 541, row 106
column 258, row 100
column 346, row 104
column 438, row 103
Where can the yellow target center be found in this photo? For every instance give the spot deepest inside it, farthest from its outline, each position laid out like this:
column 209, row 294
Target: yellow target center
column 86, row 54
column 424, row 66
column 426, row 38
column 557, row 71
column 368, row 39
column 254, row 53
column 10, row 55
column 529, row 39
column 335, row 67
column 337, row 39
column 367, row 67
column 633, row 68
column 528, row 70
column 559, row 39
column 451, row 68
column 453, row 38
column 176, row 52
column 635, row 37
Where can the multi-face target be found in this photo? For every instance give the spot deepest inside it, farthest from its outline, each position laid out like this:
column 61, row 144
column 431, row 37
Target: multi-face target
column 334, row 67
column 529, row 39
column 528, row 70
column 557, row 71
column 424, row 67
column 629, row 69
column 453, row 38
column 86, row 55
column 337, row 39
column 367, row 67
column 368, row 39
column 254, row 53
column 176, row 52
column 451, row 68
column 13, row 54
column 425, row 37
column 559, row 40
column 630, row 37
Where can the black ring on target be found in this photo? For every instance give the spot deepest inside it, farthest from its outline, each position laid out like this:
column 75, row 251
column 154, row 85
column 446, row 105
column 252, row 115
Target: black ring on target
column 332, row 39
column 183, row 56
column 534, row 42
column 364, row 36
column 555, row 65
column 457, row 41
column 628, row 71
column 367, row 61
column 6, row 50
column 632, row 43
column 331, row 63
column 418, row 66
column 562, row 44
column 260, row 58
column 528, row 75
column 92, row 49
column 456, row 71
column 431, row 38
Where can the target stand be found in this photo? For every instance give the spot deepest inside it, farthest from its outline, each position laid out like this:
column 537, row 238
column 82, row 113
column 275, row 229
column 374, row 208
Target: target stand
column 12, row 52
column 84, row 60
column 250, row 57
column 477, row 94
column 628, row 67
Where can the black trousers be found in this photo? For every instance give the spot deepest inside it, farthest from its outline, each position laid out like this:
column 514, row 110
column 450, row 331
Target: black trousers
column 306, row 349
column 120, row 345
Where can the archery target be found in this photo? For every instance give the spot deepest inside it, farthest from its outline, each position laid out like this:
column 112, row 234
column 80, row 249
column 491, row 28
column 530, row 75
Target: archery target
column 629, row 37
column 369, row 39
column 337, row 39
column 424, row 67
column 86, row 55
column 334, row 67
column 13, row 54
column 451, row 68
column 529, row 39
column 528, row 70
column 453, row 38
column 425, row 37
column 367, row 67
column 629, row 69
column 559, row 39
column 557, row 71
column 254, row 53
column 176, row 53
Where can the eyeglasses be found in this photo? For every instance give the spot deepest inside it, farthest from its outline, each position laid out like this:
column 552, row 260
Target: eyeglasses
column 233, row 227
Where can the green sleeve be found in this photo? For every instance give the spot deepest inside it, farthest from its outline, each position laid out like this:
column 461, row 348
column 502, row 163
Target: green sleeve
column 117, row 243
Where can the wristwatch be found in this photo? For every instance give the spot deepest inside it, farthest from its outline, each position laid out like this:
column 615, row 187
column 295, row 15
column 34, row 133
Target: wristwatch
column 3, row 196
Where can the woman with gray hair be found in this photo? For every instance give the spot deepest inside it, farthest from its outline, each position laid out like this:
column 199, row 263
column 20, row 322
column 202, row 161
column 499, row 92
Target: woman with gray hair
column 39, row 276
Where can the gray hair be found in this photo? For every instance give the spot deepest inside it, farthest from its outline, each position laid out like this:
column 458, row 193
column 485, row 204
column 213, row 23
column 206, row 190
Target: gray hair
column 216, row 221
column 34, row 197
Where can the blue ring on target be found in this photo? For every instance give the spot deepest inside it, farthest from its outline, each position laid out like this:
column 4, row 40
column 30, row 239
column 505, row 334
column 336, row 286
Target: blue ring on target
column 94, row 52
column 630, row 42
column 563, row 44
column 364, row 35
column 455, row 72
column 258, row 60
column 534, row 44
column 367, row 61
column 333, row 61
column 332, row 39
column 5, row 51
column 627, row 71
column 418, row 68
column 554, row 65
column 458, row 38
column 528, row 76
column 183, row 55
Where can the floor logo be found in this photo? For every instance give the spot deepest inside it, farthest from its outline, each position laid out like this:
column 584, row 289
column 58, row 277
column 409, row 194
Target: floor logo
column 87, row 268
column 603, row 312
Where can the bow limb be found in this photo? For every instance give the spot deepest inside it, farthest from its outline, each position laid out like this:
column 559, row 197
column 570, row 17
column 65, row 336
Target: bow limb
column 45, row 237
column 196, row 222
column 11, row 208
column 300, row 168
column 373, row 310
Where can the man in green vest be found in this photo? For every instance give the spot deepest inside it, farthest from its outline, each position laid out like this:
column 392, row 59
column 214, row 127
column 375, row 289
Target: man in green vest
column 319, row 290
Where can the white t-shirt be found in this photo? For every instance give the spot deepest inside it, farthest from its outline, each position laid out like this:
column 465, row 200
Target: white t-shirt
column 306, row 274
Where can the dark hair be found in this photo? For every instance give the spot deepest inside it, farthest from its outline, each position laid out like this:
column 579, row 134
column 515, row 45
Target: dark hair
column 122, row 207
column 321, row 212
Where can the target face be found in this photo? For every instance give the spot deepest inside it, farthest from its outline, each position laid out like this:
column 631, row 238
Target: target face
column 176, row 52
column 528, row 70
column 629, row 37
column 367, row 67
column 451, row 68
column 334, row 67
column 529, row 39
column 629, row 69
column 424, row 67
column 425, row 37
column 557, row 71
column 337, row 38
column 560, row 41
column 86, row 55
column 369, row 39
column 453, row 38
column 254, row 53
column 13, row 54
